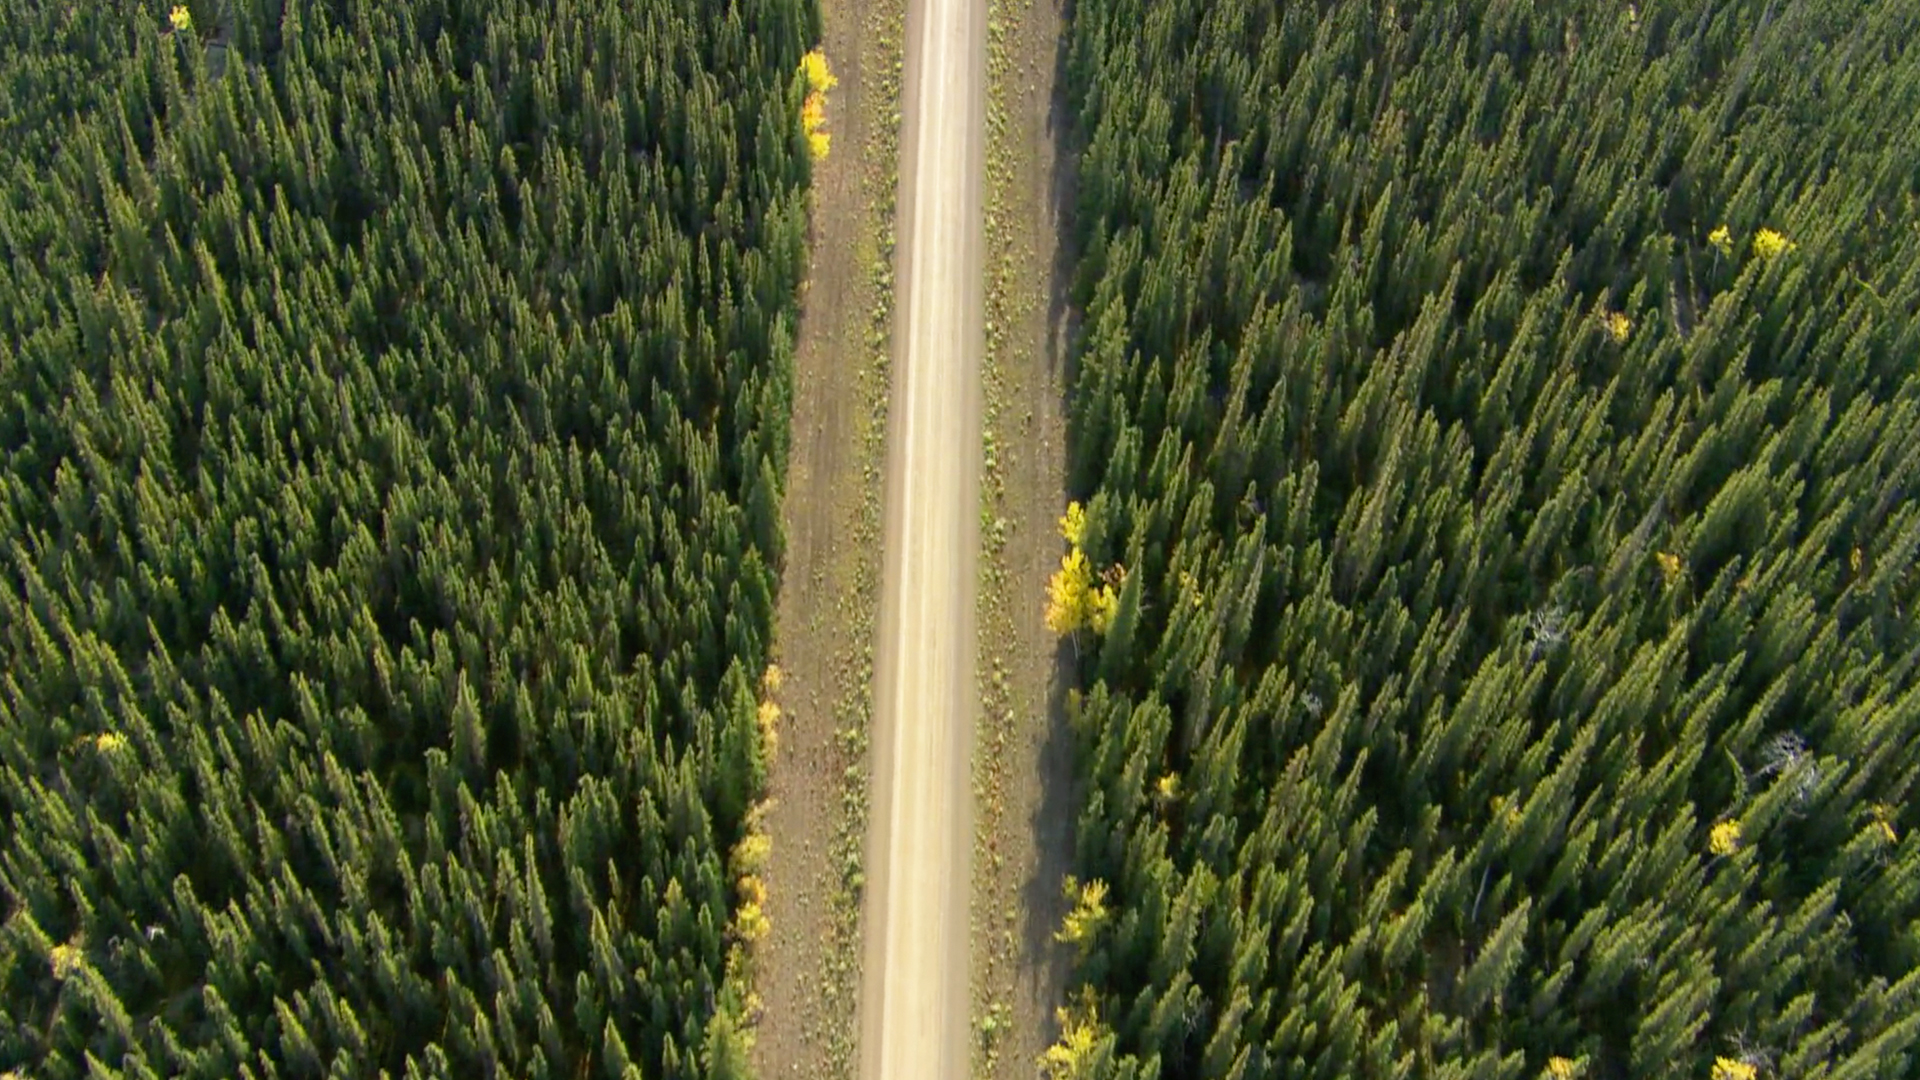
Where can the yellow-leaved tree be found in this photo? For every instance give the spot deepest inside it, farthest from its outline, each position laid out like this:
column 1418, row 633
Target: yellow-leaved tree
column 1080, row 1035
column 1069, row 602
column 1102, row 604
column 1769, row 244
column 1074, row 598
column 813, row 112
column 820, row 76
column 1073, row 524
column 747, row 862
column 1089, row 913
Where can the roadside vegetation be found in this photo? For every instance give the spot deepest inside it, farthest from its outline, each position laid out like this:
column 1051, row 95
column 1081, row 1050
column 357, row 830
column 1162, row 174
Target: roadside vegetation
column 1498, row 426
column 393, row 405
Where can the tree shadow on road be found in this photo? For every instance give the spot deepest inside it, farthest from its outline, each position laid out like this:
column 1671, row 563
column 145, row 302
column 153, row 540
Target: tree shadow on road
column 1053, row 821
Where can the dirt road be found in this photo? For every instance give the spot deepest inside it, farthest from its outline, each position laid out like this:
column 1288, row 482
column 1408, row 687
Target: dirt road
column 914, row 994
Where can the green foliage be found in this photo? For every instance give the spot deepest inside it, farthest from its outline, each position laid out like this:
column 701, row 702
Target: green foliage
column 393, row 403
column 1508, row 417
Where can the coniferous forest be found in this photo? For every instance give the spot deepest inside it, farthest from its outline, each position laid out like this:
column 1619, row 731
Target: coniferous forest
column 393, row 404
column 1497, row 427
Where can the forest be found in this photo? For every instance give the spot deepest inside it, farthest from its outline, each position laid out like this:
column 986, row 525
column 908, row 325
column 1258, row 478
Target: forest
column 1491, row 582
column 393, row 421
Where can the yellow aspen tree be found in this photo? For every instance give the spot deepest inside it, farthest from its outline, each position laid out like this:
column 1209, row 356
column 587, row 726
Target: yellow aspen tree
column 751, row 921
column 1089, row 912
column 1073, row 524
column 820, row 76
column 1074, row 599
column 1080, row 1035
column 1725, row 838
column 813, row 112
column 1102, row 604
column 1769, row 244
column 1670, row 567
column 1066, row 1059
column 1069, row 604
column 768, row 719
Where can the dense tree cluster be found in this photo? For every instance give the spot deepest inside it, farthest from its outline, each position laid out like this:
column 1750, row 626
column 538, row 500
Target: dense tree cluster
column 1508, row 417
column 393, row 407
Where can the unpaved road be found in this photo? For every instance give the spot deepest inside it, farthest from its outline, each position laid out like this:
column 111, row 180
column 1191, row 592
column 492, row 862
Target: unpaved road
column 914, row 983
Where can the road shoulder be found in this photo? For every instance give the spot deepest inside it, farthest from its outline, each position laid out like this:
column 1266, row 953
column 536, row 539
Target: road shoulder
column 1023, row 759
column 808, row 965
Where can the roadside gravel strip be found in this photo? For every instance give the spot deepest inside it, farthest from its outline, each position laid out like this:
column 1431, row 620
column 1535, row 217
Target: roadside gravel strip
column 914, row 994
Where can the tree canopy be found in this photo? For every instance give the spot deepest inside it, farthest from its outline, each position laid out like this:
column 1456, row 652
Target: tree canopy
column 393, row 405
column 1508, row 416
